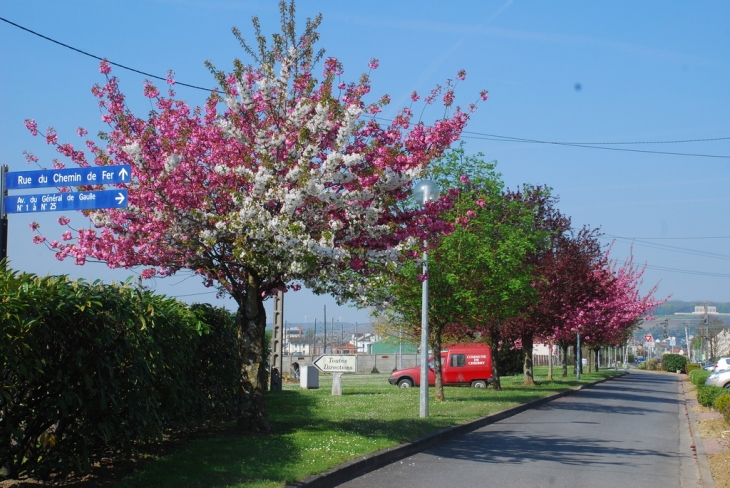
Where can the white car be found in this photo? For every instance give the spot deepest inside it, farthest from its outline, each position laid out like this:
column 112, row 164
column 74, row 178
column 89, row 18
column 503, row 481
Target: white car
column 722, row 364
column 721, row 379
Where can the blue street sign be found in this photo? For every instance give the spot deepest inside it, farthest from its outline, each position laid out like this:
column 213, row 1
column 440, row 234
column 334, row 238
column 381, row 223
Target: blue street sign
column 97, row 175
column 53, row 202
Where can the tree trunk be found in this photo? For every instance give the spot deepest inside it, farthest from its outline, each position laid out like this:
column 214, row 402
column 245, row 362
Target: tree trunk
column 564, row 346
column 550, row 363
column 494, row 346
column 589, row 361
column 529, row 374
column 251, row 324
column 438, row 370
column 597, row 360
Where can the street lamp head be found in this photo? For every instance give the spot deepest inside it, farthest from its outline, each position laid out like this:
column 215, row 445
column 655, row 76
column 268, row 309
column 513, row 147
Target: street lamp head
column 426, row 191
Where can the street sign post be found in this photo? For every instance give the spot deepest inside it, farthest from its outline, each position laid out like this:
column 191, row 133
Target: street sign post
column 336, row 364
column 45, row 178
column 53, row 202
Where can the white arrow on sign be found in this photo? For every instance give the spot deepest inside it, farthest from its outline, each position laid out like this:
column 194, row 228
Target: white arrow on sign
column 336, row 364
column 119, row 198
column 123, row 174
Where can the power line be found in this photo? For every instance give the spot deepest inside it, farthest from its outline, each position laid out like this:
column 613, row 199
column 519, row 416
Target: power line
column 669, row 238
column 489, row 137
column 100, row 59
column 481, row 136
column 605, row 143
column 666, row 247
column 688, row 271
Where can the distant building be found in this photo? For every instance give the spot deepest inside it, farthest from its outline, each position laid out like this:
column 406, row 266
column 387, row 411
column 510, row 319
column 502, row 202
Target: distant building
column 700, row 310
column 393, row 345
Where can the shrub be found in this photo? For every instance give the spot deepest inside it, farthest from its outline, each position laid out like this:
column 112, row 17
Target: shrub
column 89, row 368
column 689, row 367
column 722, row 405
column 652, row 364
column 674, row 362
column 642, row 365
column 698, row 377
column 708, row 394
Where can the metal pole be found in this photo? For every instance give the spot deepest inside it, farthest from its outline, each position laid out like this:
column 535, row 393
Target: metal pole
column 3, row 216
column 424, row 339
column 578, row 360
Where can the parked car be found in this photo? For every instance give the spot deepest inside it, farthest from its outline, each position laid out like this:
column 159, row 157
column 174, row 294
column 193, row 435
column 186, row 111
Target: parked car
column 721, row 364
column 461, row 364
column 720, row 378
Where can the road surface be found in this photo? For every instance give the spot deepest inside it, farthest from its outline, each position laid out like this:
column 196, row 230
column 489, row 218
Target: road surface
column 627, row 432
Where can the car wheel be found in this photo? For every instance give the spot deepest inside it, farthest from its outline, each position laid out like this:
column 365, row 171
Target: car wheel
column 727, row 385
column 405, row 383
column 479, row 384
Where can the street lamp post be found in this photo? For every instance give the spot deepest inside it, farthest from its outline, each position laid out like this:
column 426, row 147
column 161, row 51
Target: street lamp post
column 424, row 192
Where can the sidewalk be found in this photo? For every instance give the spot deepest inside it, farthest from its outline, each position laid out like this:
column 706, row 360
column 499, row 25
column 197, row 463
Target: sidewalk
column 711, row 439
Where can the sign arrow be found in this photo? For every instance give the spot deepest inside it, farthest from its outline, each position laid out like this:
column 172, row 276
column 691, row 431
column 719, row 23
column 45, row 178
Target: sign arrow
column 94, row 175
column 52, row 202
column 336, row 364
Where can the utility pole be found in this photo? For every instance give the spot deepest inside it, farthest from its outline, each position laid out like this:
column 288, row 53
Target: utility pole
column 3, row 215
column 325, row 330
column 707, row 335
column 277, row 342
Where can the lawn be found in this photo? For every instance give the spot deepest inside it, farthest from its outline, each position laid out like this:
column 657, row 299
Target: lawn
column 315, row 431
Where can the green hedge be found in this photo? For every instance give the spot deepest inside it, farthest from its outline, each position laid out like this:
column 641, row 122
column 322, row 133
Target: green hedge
column 689, row 367
column 722, row 405
column 707, row 395
column 698, row 377
column 674, row 362
column 90, row 368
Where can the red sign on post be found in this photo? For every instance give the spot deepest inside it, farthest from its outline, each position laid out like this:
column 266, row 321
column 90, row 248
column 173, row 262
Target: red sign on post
column 649, row 338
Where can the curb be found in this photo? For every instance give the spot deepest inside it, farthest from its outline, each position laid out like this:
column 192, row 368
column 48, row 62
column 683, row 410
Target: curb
column 359, row 466
column 699, row 446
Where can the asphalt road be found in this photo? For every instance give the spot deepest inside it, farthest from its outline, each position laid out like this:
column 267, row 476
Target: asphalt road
column 628, row 432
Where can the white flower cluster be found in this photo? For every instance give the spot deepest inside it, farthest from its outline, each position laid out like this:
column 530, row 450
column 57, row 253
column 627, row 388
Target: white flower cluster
column 171, row 162
column 134, row 152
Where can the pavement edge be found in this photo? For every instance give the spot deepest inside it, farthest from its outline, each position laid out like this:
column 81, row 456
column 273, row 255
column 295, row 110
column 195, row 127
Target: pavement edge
column 363, row 464
column 699, row 446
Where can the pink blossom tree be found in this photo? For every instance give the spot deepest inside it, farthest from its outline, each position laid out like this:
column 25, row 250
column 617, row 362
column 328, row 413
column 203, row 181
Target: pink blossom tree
column 277, row 181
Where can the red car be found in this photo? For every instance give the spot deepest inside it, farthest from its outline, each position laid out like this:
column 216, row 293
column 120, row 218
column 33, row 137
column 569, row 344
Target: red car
column 461, row 364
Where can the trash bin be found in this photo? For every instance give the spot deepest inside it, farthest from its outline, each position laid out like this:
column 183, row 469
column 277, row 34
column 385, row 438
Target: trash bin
column 309, row 379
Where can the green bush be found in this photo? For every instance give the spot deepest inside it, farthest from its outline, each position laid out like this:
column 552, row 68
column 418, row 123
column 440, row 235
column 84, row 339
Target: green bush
column 689, row 367
column 642, row 365
column 652, row 364
column 708, row 394
column 674, row 362
column 722, row 405
column 90, row 368
column 698, row 377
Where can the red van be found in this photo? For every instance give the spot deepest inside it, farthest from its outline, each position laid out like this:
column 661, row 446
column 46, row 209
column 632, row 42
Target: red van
column 461, row 364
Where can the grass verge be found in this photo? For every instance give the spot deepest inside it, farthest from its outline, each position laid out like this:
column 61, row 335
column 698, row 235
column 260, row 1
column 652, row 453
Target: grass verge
column 315, row 431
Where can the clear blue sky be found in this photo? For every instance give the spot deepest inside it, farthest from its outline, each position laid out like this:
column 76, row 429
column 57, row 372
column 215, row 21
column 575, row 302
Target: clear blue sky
column 569, row 71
